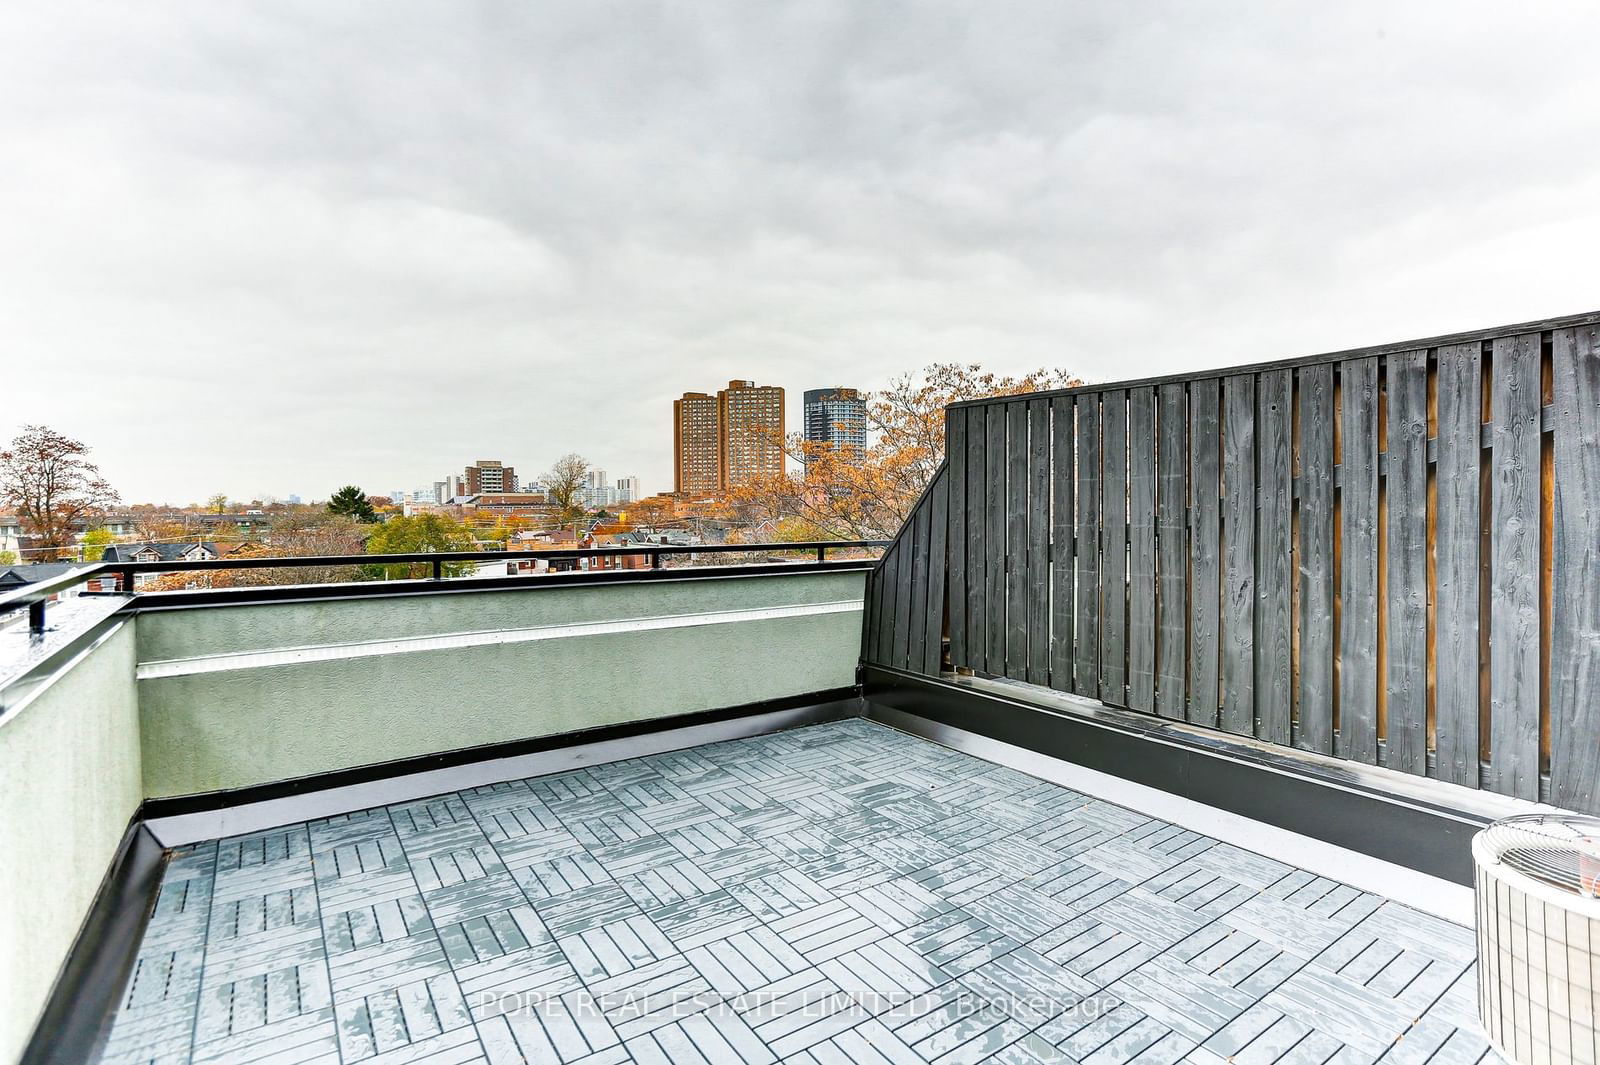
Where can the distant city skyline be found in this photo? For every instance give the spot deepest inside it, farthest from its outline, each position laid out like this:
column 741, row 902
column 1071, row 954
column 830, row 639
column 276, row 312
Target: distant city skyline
column 259, row 260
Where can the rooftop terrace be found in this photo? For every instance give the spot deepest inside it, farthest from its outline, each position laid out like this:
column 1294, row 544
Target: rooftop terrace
column 1158, row 733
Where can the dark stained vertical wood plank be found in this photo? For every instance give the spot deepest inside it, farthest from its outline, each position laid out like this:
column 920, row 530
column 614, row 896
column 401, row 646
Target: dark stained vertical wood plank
column 916, row 622
column 1114, row 548
column 1062, row 562
column 1406, row 592
column 1514, row 531
column 1086, row 622
column 1142, row 548
column 1316, row 692
column 870, row 621
column 977, row 536
column 1274, row 534
column 1016, row 525
column 1575, row 614
column 1358, row 569
column 955, row 450
column 1238, row 553
column 994, row 585
column 1172, row 549
column 1457, row 532
column 888, row 575
column 1036, row 583
column 1205, row 545
column 905, row 562
column 934, row 595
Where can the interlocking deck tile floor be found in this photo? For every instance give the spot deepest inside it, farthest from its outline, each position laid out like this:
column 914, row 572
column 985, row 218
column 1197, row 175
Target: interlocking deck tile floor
column 839, row 893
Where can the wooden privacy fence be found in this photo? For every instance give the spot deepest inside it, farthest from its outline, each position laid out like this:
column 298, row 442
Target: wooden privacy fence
column 1389, row 555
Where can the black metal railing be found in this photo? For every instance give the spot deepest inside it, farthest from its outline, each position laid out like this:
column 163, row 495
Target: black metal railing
column 34, row 597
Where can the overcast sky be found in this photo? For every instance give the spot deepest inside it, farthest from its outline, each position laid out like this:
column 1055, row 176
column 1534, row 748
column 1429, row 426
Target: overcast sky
column 274, row 248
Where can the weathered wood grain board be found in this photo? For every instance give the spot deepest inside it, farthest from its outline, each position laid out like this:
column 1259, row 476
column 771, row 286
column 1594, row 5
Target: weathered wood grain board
column 905, row 563
column 1172, row 549
column 1458, row 477
column 1016, row 526
column 935, row 596
column 1514, row 530
column 1273, row 644
column 1063, row 517
column 977, row 537
column 916, row 622
column 1575, row 621
column 1086, row 491
column 1114, row 548
column 1205, row 550
column 1142, row 548
column 1406, row 548
column 1315, row 698
column 1036, row 581
column 1358, row 570
column 956, row 501
column 994, row 585
column 1238, row 554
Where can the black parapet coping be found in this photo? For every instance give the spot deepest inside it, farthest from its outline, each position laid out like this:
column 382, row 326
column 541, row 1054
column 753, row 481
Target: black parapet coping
column 145, row 602
column 1429, row 829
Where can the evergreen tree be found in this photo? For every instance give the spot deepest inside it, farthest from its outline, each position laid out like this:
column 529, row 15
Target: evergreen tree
column 352, row 502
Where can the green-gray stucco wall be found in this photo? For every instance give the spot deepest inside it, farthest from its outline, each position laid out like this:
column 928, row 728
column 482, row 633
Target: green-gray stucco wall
column 238, row 727
column 70, row 781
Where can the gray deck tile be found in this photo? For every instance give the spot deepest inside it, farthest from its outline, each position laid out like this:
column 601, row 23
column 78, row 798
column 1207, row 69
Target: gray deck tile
column 745, row 961
column 799, row 1012
column 1027, row 985
column 1191, row 1003
column 696, row 921
column 841, row 893
column 910, row 851
column 897, row 904
column 577, row 911
column 716, row 1037
column 667, row 882
column 1095, row 950
column 846, row 871
column 702, row 838
column 616, row 948
column 826, row 930
column 957, row 942
column 779, row 894
column 653, row 996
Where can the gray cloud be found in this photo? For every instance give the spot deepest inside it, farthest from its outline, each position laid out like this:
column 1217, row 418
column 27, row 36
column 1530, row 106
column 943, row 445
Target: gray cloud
column 271, row 248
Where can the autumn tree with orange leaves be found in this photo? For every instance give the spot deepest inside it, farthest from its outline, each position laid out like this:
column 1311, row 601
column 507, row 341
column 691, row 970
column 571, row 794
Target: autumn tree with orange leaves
column 865, row 494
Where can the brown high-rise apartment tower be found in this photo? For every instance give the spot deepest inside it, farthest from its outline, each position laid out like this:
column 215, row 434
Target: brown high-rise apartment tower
column 696, row 446
column 752, row 432
column 720, row 442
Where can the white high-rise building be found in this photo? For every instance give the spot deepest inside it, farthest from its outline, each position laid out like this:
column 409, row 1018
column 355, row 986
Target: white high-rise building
column 628, row 490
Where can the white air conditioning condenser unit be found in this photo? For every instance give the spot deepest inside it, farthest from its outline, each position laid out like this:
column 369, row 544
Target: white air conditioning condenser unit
column 1538, row 898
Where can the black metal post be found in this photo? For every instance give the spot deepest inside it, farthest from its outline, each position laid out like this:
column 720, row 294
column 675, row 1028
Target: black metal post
column 36, row 617
column 127, row 581
column 655, row 560
column 438, row 570
column 822, row 553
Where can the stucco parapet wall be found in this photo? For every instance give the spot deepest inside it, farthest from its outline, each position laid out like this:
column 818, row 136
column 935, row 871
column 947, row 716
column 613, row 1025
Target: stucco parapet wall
column 262, row 693
column 540, row 612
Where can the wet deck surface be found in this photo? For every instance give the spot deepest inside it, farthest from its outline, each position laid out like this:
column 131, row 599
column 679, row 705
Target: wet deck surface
column 840, row 893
